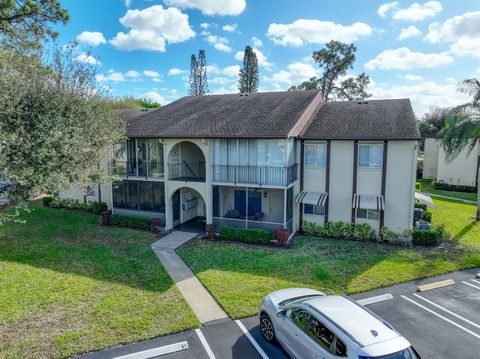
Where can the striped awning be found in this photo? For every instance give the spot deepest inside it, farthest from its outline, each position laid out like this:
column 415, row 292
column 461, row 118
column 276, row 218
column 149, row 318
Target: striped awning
column 369, row 201
column 315, row 198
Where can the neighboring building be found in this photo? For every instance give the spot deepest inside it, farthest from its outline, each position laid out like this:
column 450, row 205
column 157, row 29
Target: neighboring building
column 463, row 170
column 269, row 160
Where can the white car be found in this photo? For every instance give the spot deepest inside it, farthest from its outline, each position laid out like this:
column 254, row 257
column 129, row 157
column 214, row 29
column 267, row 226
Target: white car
column 310, row 325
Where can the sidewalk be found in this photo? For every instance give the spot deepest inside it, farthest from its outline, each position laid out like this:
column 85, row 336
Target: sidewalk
column 448, row 197
column 199, row 299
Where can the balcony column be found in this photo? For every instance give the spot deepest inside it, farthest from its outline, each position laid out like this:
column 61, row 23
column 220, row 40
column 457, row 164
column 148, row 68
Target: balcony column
column 208, row 180
column 246, row 207
column 284, row 208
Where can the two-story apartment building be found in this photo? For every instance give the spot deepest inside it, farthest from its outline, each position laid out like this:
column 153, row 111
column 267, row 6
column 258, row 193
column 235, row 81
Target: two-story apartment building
column 268, row 160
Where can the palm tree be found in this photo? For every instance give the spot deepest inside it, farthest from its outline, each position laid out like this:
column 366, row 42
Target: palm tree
column 462, row 126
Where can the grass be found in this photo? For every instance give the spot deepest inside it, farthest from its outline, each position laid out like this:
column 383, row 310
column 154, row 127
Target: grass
column 238, row 276
column 69, row 286
column 426, row 185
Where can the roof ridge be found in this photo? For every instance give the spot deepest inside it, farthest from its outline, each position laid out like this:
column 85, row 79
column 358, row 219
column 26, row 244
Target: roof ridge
column 303, row 121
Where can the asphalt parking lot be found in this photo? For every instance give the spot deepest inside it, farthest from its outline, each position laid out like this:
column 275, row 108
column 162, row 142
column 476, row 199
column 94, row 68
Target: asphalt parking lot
column 440, row 323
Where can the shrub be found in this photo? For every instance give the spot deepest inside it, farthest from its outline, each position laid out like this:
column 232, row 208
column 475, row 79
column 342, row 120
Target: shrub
column 423, row 237
column 211, row 231
column 134, row 222
column 311, row 228
column 452, row 187
column 47, row 201
column 106, row 217
column 98, row 207
column 247, row 235
column 418, row 186
column 388, row 235
column 428, row 217
column 70, row 204
column 336, row 230
column 281, row 236
column 363, row 232
column 421, row 206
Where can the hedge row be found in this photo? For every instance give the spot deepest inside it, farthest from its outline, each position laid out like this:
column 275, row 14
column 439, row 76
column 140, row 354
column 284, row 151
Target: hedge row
column 134, row 222
column 247, row 235
column 424, row 237
column 94, row 207
column 452, row 187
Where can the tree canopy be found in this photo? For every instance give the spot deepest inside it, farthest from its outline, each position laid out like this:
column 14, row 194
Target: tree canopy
column 335, row 60
column 25, row 23
column 198, row 75
column 249, row 74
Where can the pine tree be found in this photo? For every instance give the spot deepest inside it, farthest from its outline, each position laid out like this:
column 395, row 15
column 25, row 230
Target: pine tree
column 198, row 75
column 193, row 91
column 249, row 74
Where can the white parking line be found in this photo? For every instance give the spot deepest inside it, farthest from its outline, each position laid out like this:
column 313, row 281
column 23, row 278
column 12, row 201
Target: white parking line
column 442, row 317
column 254, row 343
column 205, row 344
column 476, row 281
column 471, row 285
column 377, row 299
column 156, row 352
column 448, row 311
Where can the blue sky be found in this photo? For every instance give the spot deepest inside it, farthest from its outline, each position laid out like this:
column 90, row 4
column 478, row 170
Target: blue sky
column 410, row 49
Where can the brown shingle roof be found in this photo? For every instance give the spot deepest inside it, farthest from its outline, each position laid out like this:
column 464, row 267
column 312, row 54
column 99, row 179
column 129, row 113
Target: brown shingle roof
column 370, row 120
column 262, row 114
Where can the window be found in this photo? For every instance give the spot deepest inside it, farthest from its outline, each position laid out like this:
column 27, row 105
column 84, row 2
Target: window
column 315, row 154
column 371, row 214
column 299, row 317
column 320, row 334
column 370, row 156
column 340, row 349
column 312, row 209
column 139, row 195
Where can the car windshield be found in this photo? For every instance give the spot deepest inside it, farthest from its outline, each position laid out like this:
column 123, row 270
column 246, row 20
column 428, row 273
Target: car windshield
column 408, row 353
column 299, row 298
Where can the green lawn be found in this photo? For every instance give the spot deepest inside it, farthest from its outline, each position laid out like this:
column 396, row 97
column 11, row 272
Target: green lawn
column 426, row 186
column 68, row 285
column 239, row 277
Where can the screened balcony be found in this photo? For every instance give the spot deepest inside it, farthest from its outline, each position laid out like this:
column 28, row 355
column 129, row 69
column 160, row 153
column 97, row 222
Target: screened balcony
column 255, row 161
column 138, row 158
column 186, row 163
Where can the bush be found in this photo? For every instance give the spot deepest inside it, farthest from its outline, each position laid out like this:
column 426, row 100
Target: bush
column 418, row 186
column 281, row 236
column 421, row 206
column 70, row 204
column 428, row 217
column 247, row 235
column 456, row 188
column 98, row 207
column 388, row 235
column 423, row 237
column 134, row 222
column 363, row 232
column 311, row 228
column 47, row 201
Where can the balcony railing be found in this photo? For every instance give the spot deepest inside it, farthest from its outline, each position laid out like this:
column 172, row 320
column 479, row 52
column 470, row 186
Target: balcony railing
column 188, row 172
column 150, row 169
column 259, row 175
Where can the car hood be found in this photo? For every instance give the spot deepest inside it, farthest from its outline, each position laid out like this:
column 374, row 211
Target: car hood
column 282, row 295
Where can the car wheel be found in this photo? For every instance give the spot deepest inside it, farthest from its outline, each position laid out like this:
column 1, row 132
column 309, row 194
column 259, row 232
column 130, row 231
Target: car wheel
column 266, row 328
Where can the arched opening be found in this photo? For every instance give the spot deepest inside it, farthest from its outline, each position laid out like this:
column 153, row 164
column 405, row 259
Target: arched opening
column 188, row 210
column 186, row 162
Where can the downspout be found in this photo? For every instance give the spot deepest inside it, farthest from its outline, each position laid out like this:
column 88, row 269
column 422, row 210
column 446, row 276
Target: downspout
column 384, row 182
column 355, row 169
column 414, row 176
column 327, row 182
column 302, row 161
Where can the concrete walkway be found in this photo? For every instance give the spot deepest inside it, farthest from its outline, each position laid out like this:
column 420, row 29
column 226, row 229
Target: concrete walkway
column 448, row 197
column 201, row 302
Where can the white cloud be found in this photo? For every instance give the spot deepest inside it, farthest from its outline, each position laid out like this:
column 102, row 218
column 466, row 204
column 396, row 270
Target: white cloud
column 175, row 72
column 157, row 79
column 133, row 74
column 205, row 25
column 151, row 73
column 477, row 71
column 404, row 59
column 462, row 32
column 223, row 91
column 211, row 7
column 221, row 80
column 295, row 73
column 229, row 28
column 226, row 71
column 385, row 8
column 91, row 38
column 111, row 76
column 152, row 28
column 408, row 32
column 411, row 77
column 87, row 58
column 423, row 95
column 127, row 3
column 304, row 31
column 262, row 59
column 154, row 96
column 219, row 42
column 415, row 12
column 256, row 42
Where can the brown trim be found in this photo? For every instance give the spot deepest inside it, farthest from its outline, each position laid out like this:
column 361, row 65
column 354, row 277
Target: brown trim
column 360, row 139
column 302, row 160
column 384, row 180
column 355, row 172
column 478, row 168
column 327, row 181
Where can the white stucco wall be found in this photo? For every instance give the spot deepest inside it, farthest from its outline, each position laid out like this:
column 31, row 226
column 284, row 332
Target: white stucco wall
column 430, row 160
column 341, row 181
column 461, row 171
column 314, row 181
column 400, row 185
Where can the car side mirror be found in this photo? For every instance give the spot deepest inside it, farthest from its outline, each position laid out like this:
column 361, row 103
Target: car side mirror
column 280, row 313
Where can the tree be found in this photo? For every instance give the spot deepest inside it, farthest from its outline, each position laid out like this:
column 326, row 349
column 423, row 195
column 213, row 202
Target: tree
column 54, row 124
column 25, row 23
column 433, row 121
column 335, row 60
column 462, row 127
column 249, row 74
column 198, row 75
